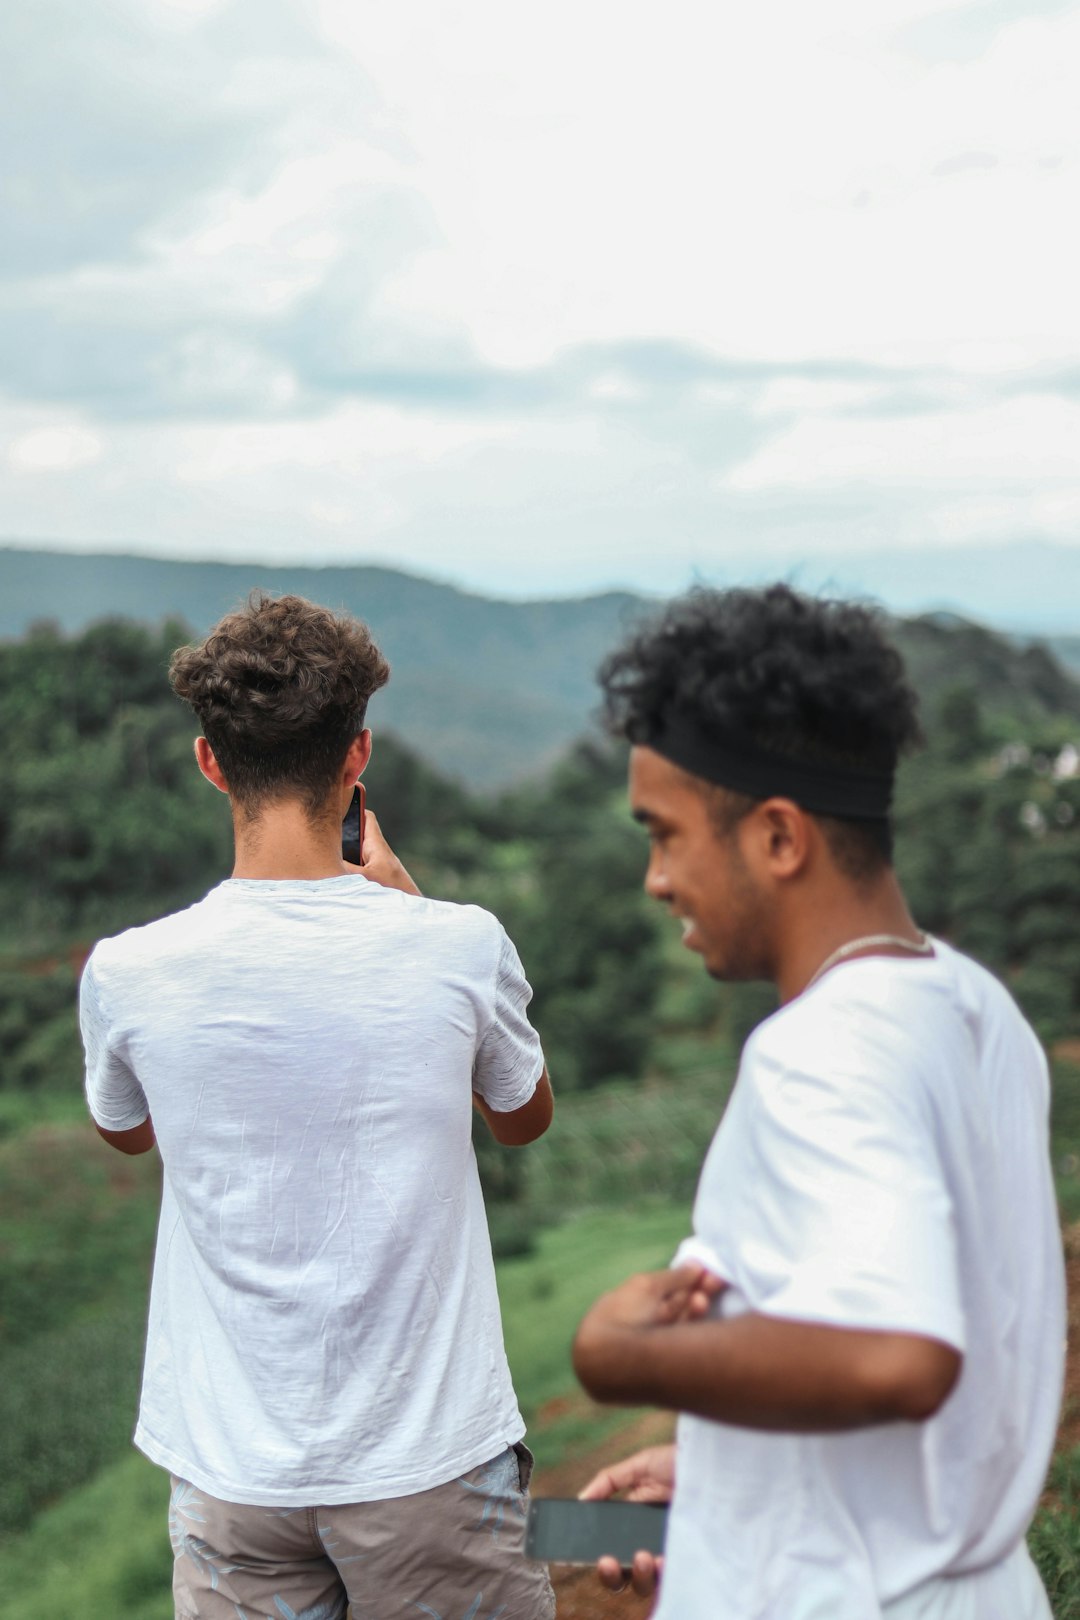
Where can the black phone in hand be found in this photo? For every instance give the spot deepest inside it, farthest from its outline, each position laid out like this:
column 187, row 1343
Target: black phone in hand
column 564, row 1530
column 352, row 828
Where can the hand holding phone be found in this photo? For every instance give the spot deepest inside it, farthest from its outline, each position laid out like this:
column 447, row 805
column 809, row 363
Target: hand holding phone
column 646, row 1477
column 363, row 845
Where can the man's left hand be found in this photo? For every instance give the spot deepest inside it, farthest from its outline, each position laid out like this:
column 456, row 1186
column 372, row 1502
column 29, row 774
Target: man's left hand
column 656, row 1298
column 378, row 861
column 610, row 1331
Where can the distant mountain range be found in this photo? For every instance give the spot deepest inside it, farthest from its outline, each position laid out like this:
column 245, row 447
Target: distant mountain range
column 1024, row 587
column 488, row 691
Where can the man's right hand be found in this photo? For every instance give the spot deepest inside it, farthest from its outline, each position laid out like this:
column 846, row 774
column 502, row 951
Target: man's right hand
column 378, row 861
column 648, row 1476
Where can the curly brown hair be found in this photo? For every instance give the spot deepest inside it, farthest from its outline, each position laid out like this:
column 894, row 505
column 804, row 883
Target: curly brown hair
column 281, row 688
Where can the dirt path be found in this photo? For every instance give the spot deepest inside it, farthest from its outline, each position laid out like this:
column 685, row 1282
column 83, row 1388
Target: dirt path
column 1069, row 1428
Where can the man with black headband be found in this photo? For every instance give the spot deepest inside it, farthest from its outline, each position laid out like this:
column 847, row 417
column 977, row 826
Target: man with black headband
column 864, row 1335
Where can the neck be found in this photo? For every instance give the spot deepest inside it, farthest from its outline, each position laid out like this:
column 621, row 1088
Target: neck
column 282, row 843
column 845, row 914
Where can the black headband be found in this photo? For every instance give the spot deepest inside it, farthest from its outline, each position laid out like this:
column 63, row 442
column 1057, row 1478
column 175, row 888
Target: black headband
column 734, row 760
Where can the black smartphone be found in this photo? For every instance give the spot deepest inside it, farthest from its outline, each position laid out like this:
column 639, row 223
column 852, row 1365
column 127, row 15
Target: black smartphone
column 562, row 1530
column 352, row 828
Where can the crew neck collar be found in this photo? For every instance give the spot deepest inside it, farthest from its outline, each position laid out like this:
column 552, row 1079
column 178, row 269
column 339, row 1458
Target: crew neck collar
column 302, row 885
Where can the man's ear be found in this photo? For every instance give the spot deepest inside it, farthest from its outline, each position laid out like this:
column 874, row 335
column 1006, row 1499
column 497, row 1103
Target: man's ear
column 357, row 757
column 207, row 763
column 780, row 838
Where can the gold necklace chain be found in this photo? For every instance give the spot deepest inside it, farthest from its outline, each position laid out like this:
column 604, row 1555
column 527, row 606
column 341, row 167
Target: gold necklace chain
column 924, row 946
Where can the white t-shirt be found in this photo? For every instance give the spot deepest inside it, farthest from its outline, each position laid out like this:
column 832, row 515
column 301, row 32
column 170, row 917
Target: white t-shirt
column 324, row 1324
column 882, row 1165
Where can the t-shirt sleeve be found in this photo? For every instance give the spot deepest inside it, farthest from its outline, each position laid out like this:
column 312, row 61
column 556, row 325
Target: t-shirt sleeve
column 845, row 1216
column 509, row 1060
column 114, row 1096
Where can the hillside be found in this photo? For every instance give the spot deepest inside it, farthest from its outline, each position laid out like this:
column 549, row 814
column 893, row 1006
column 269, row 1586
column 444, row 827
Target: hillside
column 1025, row 679
column 490, row 692
column 1066, row 649
column 105, row 821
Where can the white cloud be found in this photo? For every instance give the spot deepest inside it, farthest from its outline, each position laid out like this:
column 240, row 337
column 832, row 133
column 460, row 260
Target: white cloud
column 363, row 444
column 615, row 386
column 305, row 198
column 55, row 449
column 792, row 396
column 1002, row 514
column 577, row 294
column 595, row 175
column 1026, row 441
column 183, row 13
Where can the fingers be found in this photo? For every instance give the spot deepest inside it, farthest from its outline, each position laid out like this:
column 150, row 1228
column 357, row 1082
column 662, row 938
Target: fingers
column 621, row 1476
column 373, row 833
column 608, row 1481
column 696, row 1280
column 379, row 863
column 373, row 846
column 644, row 1574
column 699, row 1302
column 647, row 1476
column 686, row 1293
column 610, row 1573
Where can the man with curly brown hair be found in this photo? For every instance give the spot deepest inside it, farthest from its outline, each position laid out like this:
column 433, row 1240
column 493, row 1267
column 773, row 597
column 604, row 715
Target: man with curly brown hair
column 325, row 1377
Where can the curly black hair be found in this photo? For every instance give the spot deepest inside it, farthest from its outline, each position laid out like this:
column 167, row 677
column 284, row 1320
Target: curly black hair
column 807, row 678
column 281, row 688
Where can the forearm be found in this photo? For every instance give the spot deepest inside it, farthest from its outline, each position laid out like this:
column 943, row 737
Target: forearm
column 486, row 1112
column 521, row 1125
column 759, row 1372
column 140, row 1139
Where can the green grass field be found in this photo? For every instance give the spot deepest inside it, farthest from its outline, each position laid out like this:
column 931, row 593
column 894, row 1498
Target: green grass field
column 77, row 1223
column 102, row 1550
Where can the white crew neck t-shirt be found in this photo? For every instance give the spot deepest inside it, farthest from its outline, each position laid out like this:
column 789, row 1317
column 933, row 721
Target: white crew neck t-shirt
column 882, row 1164
column 324, row 1323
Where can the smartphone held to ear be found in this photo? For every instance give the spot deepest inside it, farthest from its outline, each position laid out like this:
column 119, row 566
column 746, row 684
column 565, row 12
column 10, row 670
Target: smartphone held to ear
column 567, row 1531
column 352, row 828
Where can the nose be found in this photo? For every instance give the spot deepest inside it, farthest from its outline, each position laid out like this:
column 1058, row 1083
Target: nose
column 657, row 886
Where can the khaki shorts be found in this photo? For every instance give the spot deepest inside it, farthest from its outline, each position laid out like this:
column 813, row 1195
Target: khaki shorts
column 451, row 1553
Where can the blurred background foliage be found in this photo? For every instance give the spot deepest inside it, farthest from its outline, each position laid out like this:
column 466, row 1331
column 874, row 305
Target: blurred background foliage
column 105, row 822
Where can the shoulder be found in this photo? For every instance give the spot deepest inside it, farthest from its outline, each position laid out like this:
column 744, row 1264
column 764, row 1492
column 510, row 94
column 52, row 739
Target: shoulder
column 474, row 935
column 892, row 1024
column 469, row 918
column 883, row 1023
column 451, row 917
column 977, row 991
column 135, row 948
column 900, row 999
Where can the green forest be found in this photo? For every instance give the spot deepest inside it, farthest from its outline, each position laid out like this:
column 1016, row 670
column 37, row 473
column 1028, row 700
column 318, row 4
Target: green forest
column 105, row 823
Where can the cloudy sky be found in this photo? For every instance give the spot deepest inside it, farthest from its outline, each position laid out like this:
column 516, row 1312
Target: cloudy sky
column 540, row 299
